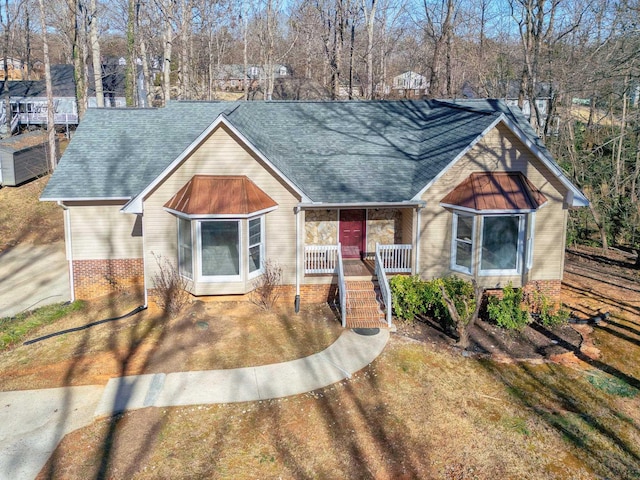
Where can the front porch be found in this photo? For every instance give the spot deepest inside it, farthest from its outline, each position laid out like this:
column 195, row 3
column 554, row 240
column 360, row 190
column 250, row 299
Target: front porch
column 363, row 287
column 360, row 246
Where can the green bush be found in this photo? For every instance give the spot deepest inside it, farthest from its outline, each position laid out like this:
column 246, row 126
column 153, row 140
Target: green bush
column 507, row 311
column 407, row 295
column 549, row 313
column 412, row 297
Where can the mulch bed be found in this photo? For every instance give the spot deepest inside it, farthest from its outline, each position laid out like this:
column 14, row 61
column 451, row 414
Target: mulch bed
column 534, row 342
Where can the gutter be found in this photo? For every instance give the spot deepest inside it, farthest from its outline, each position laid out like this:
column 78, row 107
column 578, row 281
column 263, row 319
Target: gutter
column 403, row 204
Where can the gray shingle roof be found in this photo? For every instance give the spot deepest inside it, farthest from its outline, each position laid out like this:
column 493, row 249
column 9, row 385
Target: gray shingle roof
column 338, row 152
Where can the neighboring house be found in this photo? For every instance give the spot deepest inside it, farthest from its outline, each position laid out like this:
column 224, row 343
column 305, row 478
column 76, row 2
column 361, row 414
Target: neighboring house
column 16, row 69
column 410, row 85
column 231, row 77
column 326, row 190
column 28, row 98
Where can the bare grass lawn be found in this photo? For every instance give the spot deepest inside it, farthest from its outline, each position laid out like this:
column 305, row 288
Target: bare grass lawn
column 207, row 335
column 25, row 219
column 421, row 410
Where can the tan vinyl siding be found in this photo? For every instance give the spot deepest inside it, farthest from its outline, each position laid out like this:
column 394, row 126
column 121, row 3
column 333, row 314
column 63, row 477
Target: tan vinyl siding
column 222, row 154
column 500, row 150
column 101, row 231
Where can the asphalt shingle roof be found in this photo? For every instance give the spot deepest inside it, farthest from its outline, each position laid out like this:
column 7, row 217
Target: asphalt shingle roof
column 337, row 152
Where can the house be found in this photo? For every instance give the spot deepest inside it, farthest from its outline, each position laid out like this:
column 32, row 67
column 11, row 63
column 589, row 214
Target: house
column 16, row 69
column 330, row 191
column 409, row 85
column 232, row 77
column 28, row 98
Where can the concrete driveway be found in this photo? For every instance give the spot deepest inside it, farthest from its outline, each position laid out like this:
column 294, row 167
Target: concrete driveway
column 32, row 276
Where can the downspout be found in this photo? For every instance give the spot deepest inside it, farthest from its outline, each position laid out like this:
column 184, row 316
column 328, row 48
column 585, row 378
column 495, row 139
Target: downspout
column 297, row 299
column 417, row 236
column 144, row 265
column 68, row 246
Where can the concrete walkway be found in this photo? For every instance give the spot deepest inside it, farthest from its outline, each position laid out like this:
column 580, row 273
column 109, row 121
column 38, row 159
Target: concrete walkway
column 32, row 276
column 32, row 422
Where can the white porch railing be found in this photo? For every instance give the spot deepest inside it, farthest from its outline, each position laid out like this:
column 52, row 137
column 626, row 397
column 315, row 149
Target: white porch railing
column 383, row 282
column 321, row 258
column 395, row 258
column 342, row 288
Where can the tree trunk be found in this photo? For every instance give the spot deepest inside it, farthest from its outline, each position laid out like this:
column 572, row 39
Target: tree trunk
column 130, row 68
column 464, row 324
column 601, row 227
column 95, row 51
column 168, row 44
column 370, row 17
column 5, row 54
column 51, row 130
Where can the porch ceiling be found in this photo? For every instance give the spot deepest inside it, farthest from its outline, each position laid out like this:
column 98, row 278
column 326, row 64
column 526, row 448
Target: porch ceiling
column 501, row 191
column 220, row 195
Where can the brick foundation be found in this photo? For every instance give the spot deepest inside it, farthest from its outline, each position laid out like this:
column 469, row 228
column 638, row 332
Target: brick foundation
column 94, row 278
column 550, row 288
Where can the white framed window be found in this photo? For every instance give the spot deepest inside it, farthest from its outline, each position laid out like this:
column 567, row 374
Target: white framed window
column 185, row 248
column 256, row 246
column 531, row 228
column 219, row 250
column 502, row 244
column 462, row 245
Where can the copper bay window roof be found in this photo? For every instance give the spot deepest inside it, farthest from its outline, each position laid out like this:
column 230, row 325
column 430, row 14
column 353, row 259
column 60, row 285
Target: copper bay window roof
column 495, row 191
column 220, row 195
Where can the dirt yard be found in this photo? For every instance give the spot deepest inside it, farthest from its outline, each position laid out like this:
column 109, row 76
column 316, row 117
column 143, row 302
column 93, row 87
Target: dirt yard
column 423, row 409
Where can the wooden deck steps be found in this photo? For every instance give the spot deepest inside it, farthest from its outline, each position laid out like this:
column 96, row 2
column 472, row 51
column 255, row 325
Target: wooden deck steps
column 364, row 305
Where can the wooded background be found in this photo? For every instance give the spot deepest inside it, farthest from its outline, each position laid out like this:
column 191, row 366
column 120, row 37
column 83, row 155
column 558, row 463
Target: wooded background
column 585, row 53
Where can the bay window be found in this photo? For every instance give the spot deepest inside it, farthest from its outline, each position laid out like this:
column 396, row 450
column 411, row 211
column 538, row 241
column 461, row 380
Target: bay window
column 499, row 245
column 212, row 249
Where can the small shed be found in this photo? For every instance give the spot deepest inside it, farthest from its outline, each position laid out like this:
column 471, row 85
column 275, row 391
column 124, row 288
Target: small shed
column 23, row 157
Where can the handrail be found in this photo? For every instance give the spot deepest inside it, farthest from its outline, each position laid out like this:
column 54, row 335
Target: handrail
column 383, row 283
column 14, row 122
column 395, row 258
column 342, row 287
column 320, row 258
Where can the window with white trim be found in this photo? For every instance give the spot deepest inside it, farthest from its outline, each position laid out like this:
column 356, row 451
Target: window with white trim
column 462, row 246
column 219, row 242
column 219, row 247
column 185, row 248
column 502, row 244
column 256, row 246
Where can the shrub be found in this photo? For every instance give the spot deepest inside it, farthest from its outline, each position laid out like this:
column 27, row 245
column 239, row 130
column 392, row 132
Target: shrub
column 171, row 287
column 408, row 296
column 507, row 311
column 548, row 312
column 266, row 289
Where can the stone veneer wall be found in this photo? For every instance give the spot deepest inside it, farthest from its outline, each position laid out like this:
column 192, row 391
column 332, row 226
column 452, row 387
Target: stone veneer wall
column 384, row 226
column 93, row 278
column 321, row 227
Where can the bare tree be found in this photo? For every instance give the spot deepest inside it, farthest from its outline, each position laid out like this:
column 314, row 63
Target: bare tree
column 51, row 127
column 95, row 50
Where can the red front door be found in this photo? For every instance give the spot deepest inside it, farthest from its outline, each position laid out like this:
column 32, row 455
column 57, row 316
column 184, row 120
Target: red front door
column 352, row 232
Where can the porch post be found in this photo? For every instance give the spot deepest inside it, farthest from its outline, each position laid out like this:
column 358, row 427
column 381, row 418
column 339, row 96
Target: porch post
column 298, row 249
column 416, row 248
